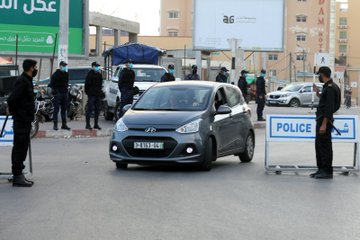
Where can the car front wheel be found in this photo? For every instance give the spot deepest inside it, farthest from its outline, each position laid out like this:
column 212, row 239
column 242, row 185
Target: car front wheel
column 209, row 156
column 248, row 154
column 294, row 103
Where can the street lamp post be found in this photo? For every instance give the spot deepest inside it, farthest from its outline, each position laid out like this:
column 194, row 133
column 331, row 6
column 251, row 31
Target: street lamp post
column 304, row 61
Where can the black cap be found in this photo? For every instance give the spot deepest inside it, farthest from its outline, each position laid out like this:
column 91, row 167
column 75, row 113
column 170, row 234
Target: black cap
column 63, row 64
column 244, row 72
column 171, row 66
column 224, row 69
column 194, row 66
column 263, row 71
column 129, row 60
column 95, row 64
column 325, row 70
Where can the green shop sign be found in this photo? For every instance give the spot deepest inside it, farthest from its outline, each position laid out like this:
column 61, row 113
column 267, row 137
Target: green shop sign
column 36, row 23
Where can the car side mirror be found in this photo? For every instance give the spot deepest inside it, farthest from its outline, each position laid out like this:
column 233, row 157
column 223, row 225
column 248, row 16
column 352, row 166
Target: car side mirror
column 126, row 108
column 223, row 110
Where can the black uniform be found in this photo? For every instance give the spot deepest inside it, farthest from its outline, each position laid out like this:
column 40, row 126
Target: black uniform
column 167, row 77
column 221, row 78
column 243, row 85
column 59, row 85
column 22, row 106
column 328, row 105
column 193, row 76
column 260, row 96
column 126, row 87
column 93, row 88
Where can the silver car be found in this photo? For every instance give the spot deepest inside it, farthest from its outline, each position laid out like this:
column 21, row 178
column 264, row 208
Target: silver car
column 294, row 95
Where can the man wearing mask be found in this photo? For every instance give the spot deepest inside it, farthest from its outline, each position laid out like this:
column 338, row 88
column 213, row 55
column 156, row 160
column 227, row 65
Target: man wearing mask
column 22, row 106
column 93, row 88
column 223, row 75
column 330, row 101
column 169, row 76
column 243, row 85
column 260, row 95
column 59, row 84
column 126, row 85
column 194, row 75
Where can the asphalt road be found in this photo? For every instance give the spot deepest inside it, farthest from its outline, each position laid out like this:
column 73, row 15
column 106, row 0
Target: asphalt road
column 80, row 195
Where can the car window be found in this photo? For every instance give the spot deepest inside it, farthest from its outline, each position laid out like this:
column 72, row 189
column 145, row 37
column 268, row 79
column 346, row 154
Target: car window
column 233, row 96
column 220, row 98
column 148, row 74
column 291, row 88
column 177, row 98
column 307, row 89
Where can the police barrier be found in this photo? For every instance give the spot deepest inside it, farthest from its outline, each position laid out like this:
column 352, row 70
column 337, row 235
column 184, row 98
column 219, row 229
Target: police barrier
column 298, row 128
column 7, row 135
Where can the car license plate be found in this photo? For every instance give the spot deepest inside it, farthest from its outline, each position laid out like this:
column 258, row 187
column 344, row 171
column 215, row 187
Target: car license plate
column 273, row 102
column 149, row 145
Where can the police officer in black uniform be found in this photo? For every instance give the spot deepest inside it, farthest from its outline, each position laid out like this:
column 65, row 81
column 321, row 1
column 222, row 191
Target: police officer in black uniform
column 93, row 88
column 330, row 101
column 59, row 84
column 194, row 75
column 22, row 106
column 260, row 95
column 243, row 85
column 223, row 75
column 169, row 76
column 126, row 85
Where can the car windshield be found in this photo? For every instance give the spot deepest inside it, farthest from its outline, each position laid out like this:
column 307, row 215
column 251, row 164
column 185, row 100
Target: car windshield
column 291, row 88
column 148, row 74
column 78, row 74
column 178, row 98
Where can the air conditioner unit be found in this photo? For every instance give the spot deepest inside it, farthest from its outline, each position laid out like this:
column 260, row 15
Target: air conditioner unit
column 343, row 26
column 343, row 40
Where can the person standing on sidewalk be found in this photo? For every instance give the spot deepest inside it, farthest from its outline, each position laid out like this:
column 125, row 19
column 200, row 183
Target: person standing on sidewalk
column 330, row 101
column 59, row 84
column 169, row 76
column 260, row 95
column 126, row 86
column 21, row 104
column 93, row 88
column 194, row 75
column 223, row 75
column 243, row 85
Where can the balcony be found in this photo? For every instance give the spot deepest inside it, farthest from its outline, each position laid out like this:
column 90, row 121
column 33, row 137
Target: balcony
column 343, row 26
column 344, row 40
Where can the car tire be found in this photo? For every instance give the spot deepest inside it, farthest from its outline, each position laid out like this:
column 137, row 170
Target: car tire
column 117, row 110
column 208, row 156
column 121, row 165
column 294, row 103
column 248, row 154
column 109, row 116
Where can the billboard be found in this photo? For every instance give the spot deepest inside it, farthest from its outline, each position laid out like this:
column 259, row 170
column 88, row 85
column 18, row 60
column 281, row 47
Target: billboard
column 36, row 22
column 258, row 23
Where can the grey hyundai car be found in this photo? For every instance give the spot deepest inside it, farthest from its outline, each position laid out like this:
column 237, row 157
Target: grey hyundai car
column 185, row 123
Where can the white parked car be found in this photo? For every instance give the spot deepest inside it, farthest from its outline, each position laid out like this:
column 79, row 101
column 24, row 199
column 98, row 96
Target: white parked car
column 145, row 77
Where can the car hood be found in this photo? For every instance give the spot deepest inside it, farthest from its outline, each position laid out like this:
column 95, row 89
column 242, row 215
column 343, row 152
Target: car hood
column 279, row 93
column 143, row 86
column 159, row 119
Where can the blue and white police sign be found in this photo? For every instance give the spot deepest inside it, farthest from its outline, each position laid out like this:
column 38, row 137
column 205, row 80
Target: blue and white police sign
column 8, row 136
column 296, row 128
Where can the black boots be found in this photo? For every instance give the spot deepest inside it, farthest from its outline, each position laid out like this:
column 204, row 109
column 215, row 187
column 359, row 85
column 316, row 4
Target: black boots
column 96, row 123
column 55, row 126
column 64, row 126
column 88, row 126
column 21, row 181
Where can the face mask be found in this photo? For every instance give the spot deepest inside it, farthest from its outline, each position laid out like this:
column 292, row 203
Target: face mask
column 263, row 75
column 131, row 65
column 321, row 79
column 64, row 69
column 194, row 71
column 34, row 73
column 171, row 71
column 97, row 69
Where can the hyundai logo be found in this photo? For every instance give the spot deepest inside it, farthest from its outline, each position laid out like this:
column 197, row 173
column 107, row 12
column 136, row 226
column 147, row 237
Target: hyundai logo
column 150, row 130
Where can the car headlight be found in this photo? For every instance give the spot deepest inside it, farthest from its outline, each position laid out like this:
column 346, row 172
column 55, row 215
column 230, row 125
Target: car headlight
column 120, row 126
column 285, row 95
column 192, row 127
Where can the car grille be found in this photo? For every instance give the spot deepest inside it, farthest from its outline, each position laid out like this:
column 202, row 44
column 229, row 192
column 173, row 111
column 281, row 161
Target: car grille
column 169, row 146
column 274, row 96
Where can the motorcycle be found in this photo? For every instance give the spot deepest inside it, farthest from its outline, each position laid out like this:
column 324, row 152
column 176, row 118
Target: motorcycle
column 75, row 102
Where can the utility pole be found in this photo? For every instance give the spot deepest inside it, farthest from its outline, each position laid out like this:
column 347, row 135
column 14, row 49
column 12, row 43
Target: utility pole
column 304, row 61
column 63, row 31
column 290, row 77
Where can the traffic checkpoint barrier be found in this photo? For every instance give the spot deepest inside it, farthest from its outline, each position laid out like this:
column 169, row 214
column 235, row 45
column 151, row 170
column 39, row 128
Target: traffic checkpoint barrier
column 6, row 135
column 302, row 128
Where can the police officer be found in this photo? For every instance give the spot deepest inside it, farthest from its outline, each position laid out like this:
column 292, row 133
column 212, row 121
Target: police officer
column 93, row 88
column 243, row 85
column 329, row 103
column 126, row 85
column 169, row 76
column 22, row 106
column 59, row 84
column 223, row 75
column 260, row 95
column 194, row 75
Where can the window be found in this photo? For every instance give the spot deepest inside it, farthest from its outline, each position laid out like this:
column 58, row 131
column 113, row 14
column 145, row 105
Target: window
column 173, row 33
column 301, row 0
column 343, row 35
column 220, row 99
column 301, row 18
column 307, row 89
column 233, row 96
column 273, row 57
column 300, row 57
column 343, row 21
column 342, row 48
column 174, row 14
column 301, row 38
column 273, row 73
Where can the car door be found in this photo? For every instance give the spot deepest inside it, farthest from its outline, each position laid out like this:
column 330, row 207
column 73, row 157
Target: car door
column 239, row 118
column 306, row 95
column 114, row 88
column 222, row 123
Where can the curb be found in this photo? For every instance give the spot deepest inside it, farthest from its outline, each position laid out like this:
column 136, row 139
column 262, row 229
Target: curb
column 82, row 133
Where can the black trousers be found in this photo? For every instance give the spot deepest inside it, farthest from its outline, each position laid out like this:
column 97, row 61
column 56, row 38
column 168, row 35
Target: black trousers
column 323, row 148
column 21, row 145
column 260, row 106
column 93, row 103
column 60, row 101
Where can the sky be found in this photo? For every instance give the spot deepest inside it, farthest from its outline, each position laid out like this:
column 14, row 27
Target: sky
column 146, row 12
